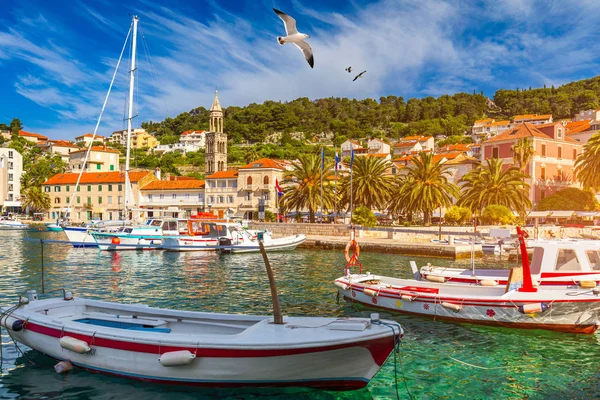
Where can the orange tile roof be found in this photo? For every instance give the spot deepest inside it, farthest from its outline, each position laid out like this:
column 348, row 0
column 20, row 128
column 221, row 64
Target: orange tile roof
column 89, row 135
column 190, row 132
column 438, row 157
column 452, row 155
column 418, row 138
column 63, row 143
column 484, row 121
column 353, row 141
column 95, row 177
column 175, row 185
column 406, row 143
column 456, row 147
column 533, row 117
column 99, row 148
column 500, row 123
column 232, row 173
column 35, row 135
column 520, row 131
column 577, row 126
column 263, row 163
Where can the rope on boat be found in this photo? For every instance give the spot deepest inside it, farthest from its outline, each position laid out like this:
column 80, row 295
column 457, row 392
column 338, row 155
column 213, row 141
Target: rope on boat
column 477, row 366
column 396, row 351
column 5, row 315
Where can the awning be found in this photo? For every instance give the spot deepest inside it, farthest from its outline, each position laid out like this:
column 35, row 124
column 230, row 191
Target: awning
column 586, row 213
column 538, row 214
column 562, row 214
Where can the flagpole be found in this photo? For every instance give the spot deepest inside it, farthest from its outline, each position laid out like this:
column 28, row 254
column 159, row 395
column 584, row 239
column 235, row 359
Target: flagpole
column 335, row 188
column 351, row 191
column 322, row 169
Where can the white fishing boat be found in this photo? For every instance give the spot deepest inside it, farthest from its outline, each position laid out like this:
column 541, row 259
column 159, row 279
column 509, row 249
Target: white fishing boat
column 239, row 240
column 574, row 308
column 205, row 349
column 81, row 236
column 137, row 237
column 194, row 235
column 7, row 223
column 556, row 262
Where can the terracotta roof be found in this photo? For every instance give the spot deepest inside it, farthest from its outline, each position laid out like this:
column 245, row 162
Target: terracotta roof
column 484, row 121
column 353, row 141
column 406, row 143
column 577, row 126
column 456, row 147
column 418, row 138
column 500, row 123
column 95, row 177
column 89, row 135
column 520, row 131
column 190, row 132
column 263, row 163
column 438, row 157
column 99, row 148
column 174, row 185
column 35, row 135
column 452, row 155
column 63, row 143
column 533, row 117
column 232, row 173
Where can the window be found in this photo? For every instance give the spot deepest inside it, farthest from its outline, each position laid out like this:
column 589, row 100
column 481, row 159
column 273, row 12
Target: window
column 10, row 177
column 120, row 187
column 174, row 196
column 220, row 199
column 57, row 200
column 120, row 199
column 57, row 188
column 495, row 152
column 249, row 180
column 543, row 173
column 149, row 197
column 98, row 166
column 267, row 196
column 110, row 188
column 230, row 199
column 78, row 200
column 10, row 165
column 99, row 199
column 248, row 196
column 78, row 188
column 10, row 154
column 559, row 133
column 567, row 261
column 67, row 200
column 594, row 259
column 47, row 189
column 266, row 180
column 112, row 167
column 68, row 188
column 89, row 188
column 10, row 187
column 99, row 188
column 109, row 199
column 543, row 150
column 559, row 152
column 89, row 200
column 161, row 196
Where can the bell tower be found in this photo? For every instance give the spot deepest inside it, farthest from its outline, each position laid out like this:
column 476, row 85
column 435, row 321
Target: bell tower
column 216, row 140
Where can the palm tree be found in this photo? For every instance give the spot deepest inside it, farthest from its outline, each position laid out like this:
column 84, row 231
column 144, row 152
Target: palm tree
column 587, row 166
column 371, row 187
column 425, row 187
column 35, row 199
column 522, row 152
column 304, row 186
column 491, row 184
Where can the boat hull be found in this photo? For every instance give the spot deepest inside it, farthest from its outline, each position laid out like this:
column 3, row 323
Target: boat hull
column 189, row 243
column 263, row 354
column 578, row 314
column 107, row 241
column 79, row 236
column 280, row 244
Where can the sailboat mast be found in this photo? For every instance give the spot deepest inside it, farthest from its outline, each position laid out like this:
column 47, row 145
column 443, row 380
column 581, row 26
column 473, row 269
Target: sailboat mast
column 130, row 116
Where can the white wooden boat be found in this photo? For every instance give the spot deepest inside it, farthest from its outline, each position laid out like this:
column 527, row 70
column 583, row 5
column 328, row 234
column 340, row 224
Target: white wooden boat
column 81, row 236
column 204, row 349
column 239, row 240
column 554, row 263
column 139, row 237
column 518, row 304
column 194, row 235
column 11, row 224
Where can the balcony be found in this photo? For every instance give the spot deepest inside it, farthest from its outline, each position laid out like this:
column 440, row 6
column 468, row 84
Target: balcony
column 250, row 187
column 221, row 190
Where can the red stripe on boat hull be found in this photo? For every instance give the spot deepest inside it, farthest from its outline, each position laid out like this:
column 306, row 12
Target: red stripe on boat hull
column 379, row 348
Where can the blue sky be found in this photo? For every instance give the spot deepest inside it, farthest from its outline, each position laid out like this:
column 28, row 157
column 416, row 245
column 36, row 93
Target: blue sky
column 57, row 57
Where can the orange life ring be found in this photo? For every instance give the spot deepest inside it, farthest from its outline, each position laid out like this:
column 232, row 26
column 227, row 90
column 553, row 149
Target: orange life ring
column 353, row 244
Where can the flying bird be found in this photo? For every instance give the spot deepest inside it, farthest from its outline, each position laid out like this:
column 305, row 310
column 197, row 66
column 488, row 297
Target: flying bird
column 293, row 36
column 349, row 69
column 359, row 76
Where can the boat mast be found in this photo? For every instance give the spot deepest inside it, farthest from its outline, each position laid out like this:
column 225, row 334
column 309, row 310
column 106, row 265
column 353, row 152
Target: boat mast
column 130, row 116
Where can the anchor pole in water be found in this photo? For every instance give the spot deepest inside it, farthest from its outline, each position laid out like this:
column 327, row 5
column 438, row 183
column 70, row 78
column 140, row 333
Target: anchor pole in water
column 42, row 247
column 277, row 317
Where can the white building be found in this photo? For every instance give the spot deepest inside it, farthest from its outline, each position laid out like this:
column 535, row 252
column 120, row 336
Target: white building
column 86, row 139
column 11, row 169
column 189, row 141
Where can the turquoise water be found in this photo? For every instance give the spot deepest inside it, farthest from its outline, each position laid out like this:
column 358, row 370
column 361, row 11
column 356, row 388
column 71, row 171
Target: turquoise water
column 434, row 357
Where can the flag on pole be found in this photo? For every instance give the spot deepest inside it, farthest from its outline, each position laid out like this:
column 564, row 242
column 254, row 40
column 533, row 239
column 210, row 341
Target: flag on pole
column 278, row 188
column 351, row 158
column 322, row 159
column 337, row 160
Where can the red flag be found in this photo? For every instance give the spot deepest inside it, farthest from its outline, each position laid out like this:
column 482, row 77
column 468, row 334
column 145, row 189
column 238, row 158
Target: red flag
column 278, row 188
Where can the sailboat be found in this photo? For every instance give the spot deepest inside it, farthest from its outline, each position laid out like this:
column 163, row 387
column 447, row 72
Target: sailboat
column 81, row 236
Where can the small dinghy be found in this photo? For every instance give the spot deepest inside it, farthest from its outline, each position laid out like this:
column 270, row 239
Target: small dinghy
column 204, row 349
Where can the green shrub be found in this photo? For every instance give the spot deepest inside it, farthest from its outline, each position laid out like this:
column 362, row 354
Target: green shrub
column 364, row 216
column 457, row 215
column 495, row 214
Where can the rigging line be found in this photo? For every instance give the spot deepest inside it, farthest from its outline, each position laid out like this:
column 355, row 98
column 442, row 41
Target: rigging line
column 87, row 154
column 154, row 75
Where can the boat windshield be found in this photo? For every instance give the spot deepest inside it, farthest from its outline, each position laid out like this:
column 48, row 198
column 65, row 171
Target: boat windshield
column 594, row 259
column 155, row 222
column 567, row 260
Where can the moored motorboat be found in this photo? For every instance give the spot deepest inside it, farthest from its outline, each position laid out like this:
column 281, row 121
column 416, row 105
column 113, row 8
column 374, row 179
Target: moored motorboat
column 11, row 224
column 81, row 236
column 204, row 349
column 194, row 235
column 137, row 237
column 239, row 240
column 518, row 303
column 554, row 263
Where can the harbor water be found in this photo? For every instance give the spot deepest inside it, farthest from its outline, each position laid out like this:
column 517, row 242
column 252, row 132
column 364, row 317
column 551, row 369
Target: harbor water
column 437, row 360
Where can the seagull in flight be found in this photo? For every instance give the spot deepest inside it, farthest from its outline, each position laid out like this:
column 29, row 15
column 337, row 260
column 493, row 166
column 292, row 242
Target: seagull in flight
column 349, row 69
column 293, row 36
column 359, row 76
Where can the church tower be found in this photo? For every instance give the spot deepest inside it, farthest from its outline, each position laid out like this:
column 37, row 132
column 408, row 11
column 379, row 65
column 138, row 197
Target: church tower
column 216, row 140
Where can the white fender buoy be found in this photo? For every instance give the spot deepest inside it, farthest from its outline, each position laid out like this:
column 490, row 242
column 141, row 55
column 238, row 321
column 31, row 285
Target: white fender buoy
column 434, row 278
column 76, row 345
column 370, row 292
column 63, row 366
column 533, row 308
column 488, row 282
column 452, row 306
column 342, row 285
column 407, row 297
column 175, row 358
